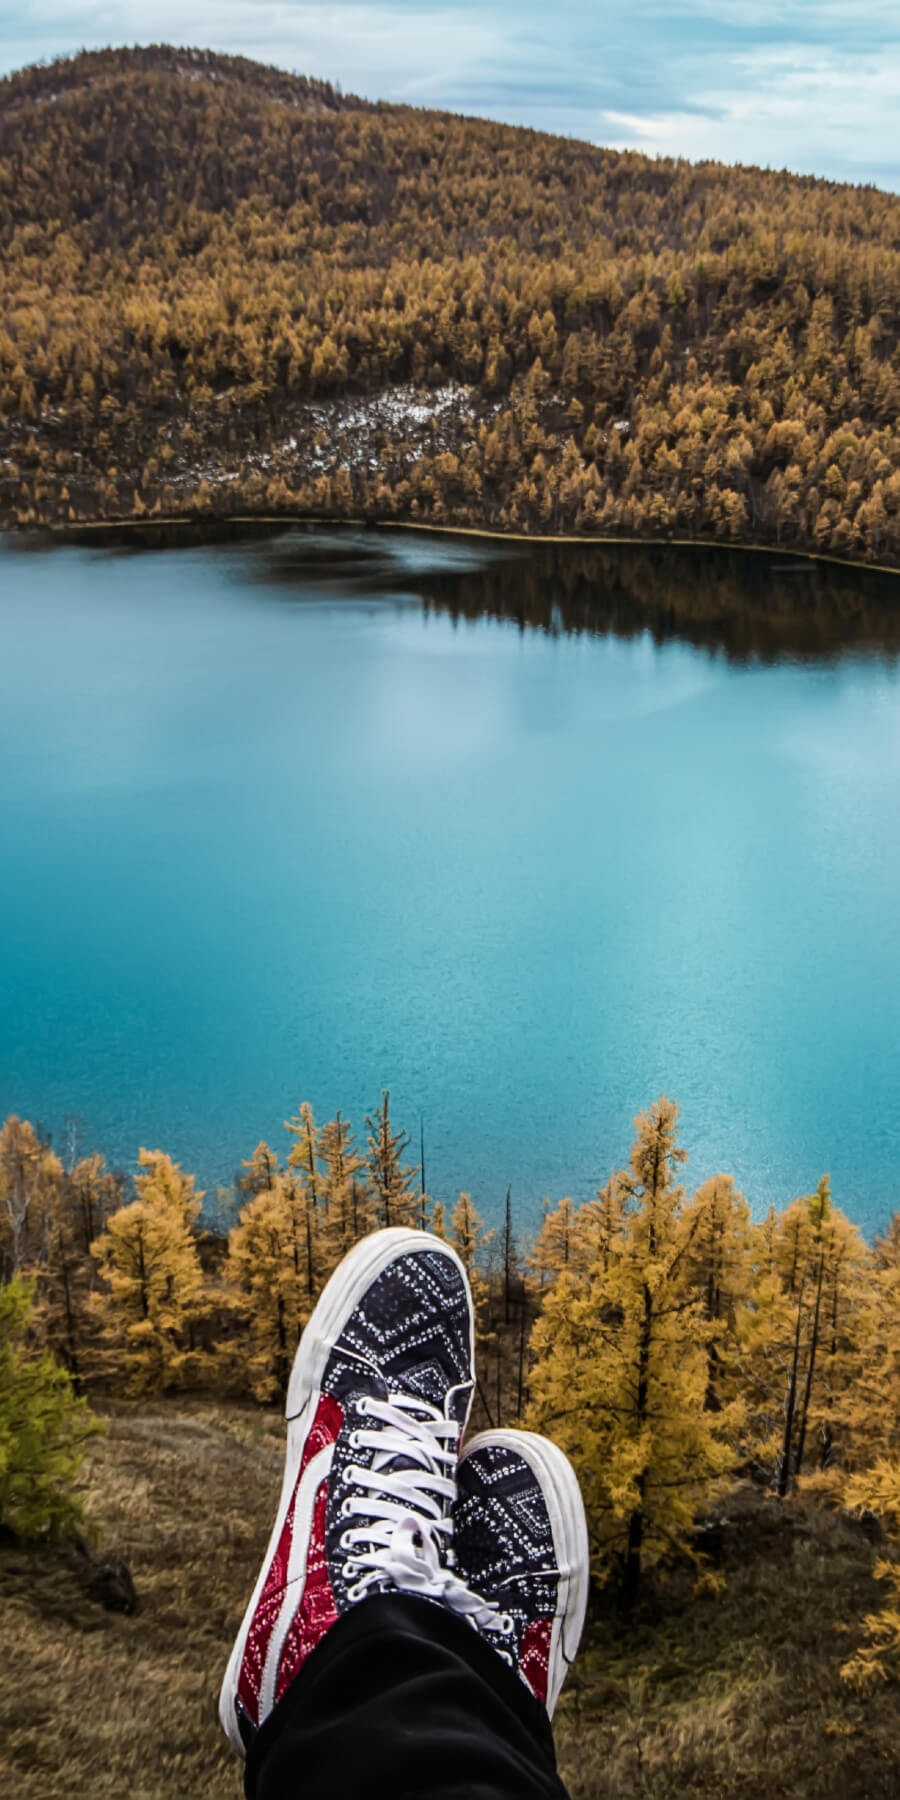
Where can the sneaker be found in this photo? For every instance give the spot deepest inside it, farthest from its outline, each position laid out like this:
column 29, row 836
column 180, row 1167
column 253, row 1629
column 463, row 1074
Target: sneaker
column 377, row 1404
column 520, row 1539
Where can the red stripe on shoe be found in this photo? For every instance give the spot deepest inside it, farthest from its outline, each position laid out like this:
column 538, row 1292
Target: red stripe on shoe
column 317, row 1611
column 323, row 1431
column 534, row 1661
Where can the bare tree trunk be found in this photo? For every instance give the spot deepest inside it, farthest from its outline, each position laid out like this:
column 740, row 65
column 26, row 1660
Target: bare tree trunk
column 520, row 1388
column 632, row 1578
column 810, row 1369
column 507, row 1255
column 784, row 1467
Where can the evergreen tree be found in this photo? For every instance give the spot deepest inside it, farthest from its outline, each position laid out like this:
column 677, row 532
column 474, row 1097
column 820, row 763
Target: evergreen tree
column 43, row 1429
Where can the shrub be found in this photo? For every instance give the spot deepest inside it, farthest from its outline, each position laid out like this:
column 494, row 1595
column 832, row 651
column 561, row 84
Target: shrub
column 43, row 1429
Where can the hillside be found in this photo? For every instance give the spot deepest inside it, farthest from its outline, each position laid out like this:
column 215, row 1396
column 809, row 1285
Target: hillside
column 699, row 1696
column 228, row 289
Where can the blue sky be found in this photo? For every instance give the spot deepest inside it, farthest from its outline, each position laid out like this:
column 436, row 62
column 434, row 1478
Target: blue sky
column 810, row 85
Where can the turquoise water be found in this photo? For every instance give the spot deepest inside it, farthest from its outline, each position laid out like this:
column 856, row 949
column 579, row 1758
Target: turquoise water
column 280, row 822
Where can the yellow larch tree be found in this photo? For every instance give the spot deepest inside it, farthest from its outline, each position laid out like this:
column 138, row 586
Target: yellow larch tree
column 877, row 1658
column 397, row 1197
column 303, row 1160
column 258, row 1171
column 470, row 1240
column 551, row 1253
column 621, row 1374
column 347, row 1210
column 267, row 1272
column 29, row 1176
column 717, row 1270
column 153, row 1292
column 80, row 1202
column 798, row 1333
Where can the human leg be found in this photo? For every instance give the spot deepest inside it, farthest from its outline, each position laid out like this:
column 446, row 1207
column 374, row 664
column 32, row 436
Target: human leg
column 367, row 1661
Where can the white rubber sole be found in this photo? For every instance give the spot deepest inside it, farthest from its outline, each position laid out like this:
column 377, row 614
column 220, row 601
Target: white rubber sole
column 339, row 1298
column 562, row 1494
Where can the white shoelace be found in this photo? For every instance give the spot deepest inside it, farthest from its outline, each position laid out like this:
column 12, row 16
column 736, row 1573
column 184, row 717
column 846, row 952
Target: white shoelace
column 404, row 1524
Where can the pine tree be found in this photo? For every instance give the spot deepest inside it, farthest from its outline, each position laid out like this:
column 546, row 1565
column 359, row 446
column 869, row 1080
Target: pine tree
column 553, row 1249
column 304, row 1161
column 267, row 1270
column 598, row 1225
column 153, row 1292
column 869, row 1405
column 877, row 1490
column 29, row 1172
column 392, row 1182
column 469, row 1240
column 508, row 1320
column 348, row 1213
column 887, row 1243
column 717, row 1271
column 620, row 1375
column 798, row 1333
column 79, row 1205
column 259, row 1171
column 43, row 1429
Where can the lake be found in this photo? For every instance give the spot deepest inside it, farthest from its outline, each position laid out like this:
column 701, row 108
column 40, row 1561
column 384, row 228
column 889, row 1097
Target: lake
column 528, row 836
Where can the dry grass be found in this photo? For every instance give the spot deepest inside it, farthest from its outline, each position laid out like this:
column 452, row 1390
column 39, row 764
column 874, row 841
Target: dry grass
column 739, row 1695
column 94, row 1702
column 728, row 1697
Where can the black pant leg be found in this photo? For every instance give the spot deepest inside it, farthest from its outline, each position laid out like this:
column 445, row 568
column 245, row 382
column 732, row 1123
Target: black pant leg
column 402, row 1700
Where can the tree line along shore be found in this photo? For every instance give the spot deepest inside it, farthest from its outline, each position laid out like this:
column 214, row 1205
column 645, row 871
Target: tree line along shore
column 228, row 290
column 676, row 1349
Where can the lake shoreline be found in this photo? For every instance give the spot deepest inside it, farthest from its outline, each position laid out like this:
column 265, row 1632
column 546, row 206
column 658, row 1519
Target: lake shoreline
column 324, row 522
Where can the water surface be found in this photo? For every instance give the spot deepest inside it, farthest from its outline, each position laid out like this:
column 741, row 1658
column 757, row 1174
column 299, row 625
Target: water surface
column 529, row 838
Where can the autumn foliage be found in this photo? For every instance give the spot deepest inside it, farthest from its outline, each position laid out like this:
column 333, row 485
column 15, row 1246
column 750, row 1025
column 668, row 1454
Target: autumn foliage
column 227, row 289
column 669, row 1343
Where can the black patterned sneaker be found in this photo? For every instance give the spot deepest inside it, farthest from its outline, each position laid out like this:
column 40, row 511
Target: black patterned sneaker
column 378, row 1400
column 520, row 1541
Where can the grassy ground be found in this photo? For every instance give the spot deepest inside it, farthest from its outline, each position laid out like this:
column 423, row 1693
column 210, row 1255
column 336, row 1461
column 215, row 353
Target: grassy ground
column 728, row 1696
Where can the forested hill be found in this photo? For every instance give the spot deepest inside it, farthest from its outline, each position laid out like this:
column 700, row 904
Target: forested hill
column 226, row 288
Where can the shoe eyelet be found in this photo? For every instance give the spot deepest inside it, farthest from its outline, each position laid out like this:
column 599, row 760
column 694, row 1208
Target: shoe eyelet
column 362, row 1406
column 507, row 1625
column 353, row 1440
column 345, row 1540
column 355, row 1592
column 349, row 1569
column 345, row 1509
column 347, row 1471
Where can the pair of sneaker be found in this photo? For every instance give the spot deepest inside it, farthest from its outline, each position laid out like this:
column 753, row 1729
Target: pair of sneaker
column 377, row 1498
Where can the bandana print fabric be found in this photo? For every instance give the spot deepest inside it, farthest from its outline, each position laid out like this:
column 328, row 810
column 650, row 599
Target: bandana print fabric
column 317, row 1611
column 412, row 1329
column 504, row 1548
column 324, row 1431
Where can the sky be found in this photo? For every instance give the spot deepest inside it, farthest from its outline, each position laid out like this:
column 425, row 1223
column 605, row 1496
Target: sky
column 809, row 85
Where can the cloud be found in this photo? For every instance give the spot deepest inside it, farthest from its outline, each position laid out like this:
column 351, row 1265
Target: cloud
column 806, row 84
